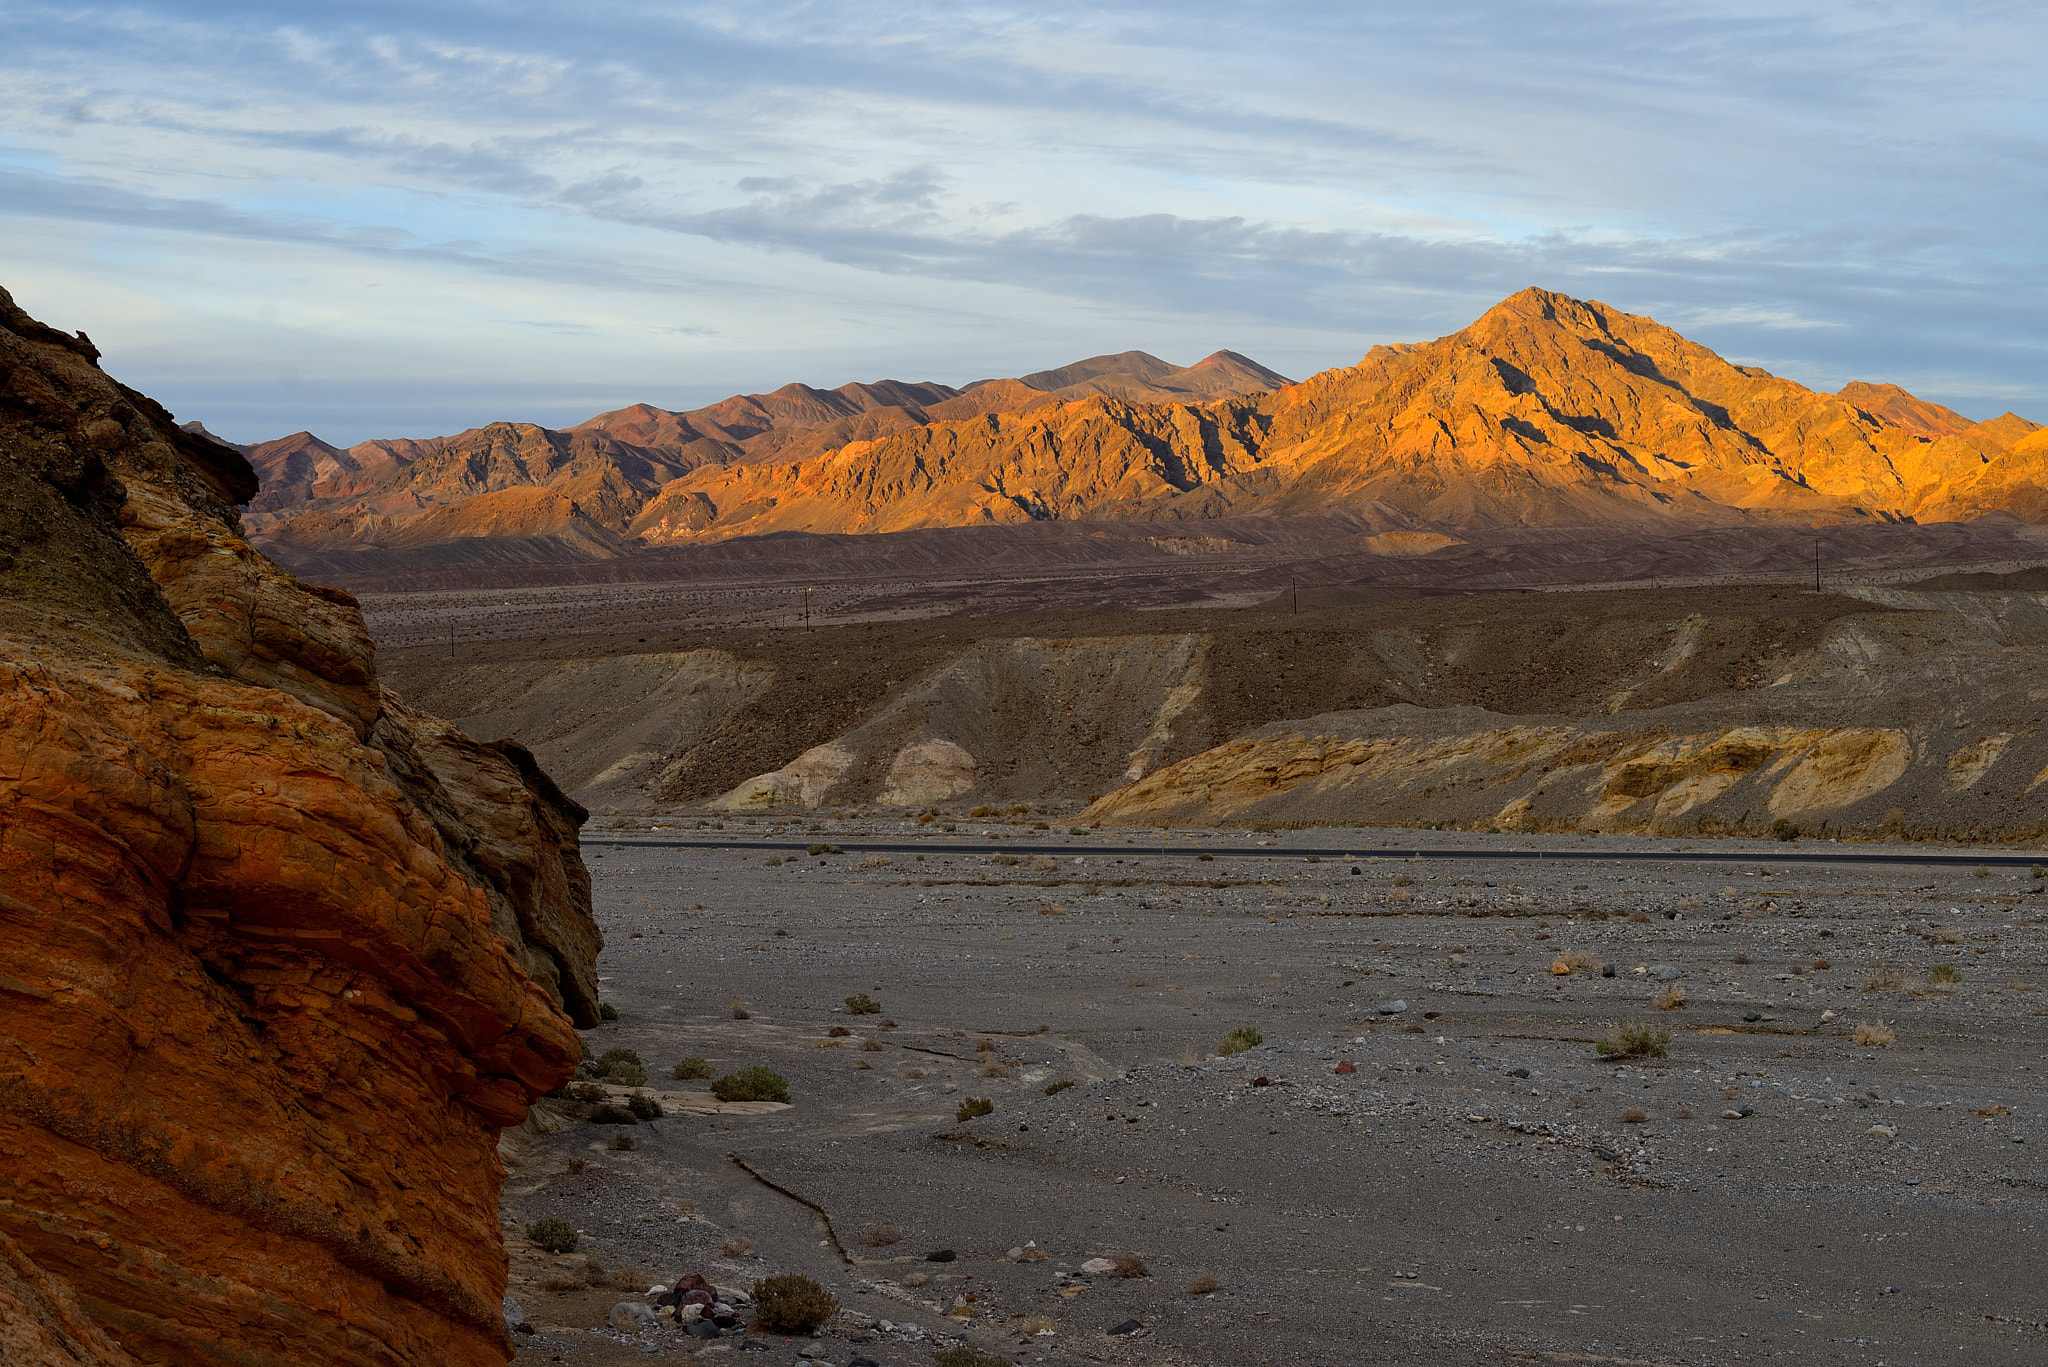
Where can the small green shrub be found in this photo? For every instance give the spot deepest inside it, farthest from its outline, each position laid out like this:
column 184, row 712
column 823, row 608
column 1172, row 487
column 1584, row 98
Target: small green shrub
column 1239, row 1040
column 773, row 861
column 1635, row 1041
column 758, row 1083
column 624, row 1074
column 606, row 1011
column 1784, row 830
column 974, row 1106
column 690, row 1069
column 861, row 1004
column 1077, row 830
column 609, row 1057
column 1982, row 872
column 823, row 849
column 643, row 1106
column 556, row 1236
column 1055, row 1088
column 587, row 1092
column 1945, row 973
column 792, row 1304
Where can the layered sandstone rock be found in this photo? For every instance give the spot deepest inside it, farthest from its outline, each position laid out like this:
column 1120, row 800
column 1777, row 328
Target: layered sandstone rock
column 279, row 958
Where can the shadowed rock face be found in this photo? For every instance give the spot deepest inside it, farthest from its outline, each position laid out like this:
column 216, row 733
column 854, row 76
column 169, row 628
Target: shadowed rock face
column 279, row 957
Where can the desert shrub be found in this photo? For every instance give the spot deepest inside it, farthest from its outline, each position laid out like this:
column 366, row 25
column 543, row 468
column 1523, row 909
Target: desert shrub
column 1575, row 961
column 881, row 1235
column 871, row 1046
column 1874, row 1036
column 622, row 1141
column 1403, row 881
column 965, row 1356
column 861, row 1004
column 1130, row 1265
column 1635, row 1041
column 994, row 1070
column 556, row 1236
column 1945, row 973
column 792, row 1304
column 823, row 849
column 1035, row 1325
column 1982, row 872
column 914, row 1280
column 1671, row 998
column 1055, row 1088
column 626, row 1075
column 575, row 1165
column 643, row 1106
column 690, row 1069
column 739, row 1011
column 1784, row 830
column 974, row 1106
column 983, row 811
column 773, row 861
column 1739, row 959
column 1201, row 1284
column 610, row 1113
column 758, row 1083
column 839, row 1032
column 611, row 1057
column 587, row 1092
column 1239, row 1040
column 736, row 1246
column 606, row 1011
column 1634, row 1115
column 1006, row 860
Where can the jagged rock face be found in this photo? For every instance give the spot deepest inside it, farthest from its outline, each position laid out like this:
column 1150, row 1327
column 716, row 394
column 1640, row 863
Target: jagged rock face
column 279, row 958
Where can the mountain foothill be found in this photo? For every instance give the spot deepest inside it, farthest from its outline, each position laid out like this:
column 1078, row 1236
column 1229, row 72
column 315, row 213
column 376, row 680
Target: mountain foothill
column 1546, row 412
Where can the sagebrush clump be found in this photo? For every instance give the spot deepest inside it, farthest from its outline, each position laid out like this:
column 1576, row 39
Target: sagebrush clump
column 556, row 1236
column 1239, row 1040
column 792, row 1304
column 643, row 1106
column 1635, row 1041
column 691, row 1069
column 758, row 1083
column 861, row 1004
column 974, row 1106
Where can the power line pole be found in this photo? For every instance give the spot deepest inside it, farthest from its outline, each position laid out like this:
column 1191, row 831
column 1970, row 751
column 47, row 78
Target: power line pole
column 1816, row 563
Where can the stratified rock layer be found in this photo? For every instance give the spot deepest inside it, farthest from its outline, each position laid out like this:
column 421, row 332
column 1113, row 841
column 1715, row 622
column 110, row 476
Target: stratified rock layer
column 278, row 957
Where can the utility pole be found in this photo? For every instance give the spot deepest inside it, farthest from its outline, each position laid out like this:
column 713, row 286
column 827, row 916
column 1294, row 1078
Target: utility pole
column 1294, row 584
column 1816, row 562
column 807, row 609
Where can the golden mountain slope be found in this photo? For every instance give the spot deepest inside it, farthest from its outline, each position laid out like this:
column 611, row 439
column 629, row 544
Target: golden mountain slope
column 1546, row 411
column 487, row 484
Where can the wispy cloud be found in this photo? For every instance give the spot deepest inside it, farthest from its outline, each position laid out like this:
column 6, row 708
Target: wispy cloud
column 689, row 196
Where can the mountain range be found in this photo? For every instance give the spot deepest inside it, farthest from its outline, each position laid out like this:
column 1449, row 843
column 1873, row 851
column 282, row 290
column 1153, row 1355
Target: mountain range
column 1547, row 411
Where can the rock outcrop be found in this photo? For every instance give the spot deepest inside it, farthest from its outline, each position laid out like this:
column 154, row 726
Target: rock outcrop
column 279, row 957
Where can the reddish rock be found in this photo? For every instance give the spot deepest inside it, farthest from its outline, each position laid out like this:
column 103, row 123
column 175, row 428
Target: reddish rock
column 279, row 958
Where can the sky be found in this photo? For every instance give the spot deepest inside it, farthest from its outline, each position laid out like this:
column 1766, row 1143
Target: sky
column 383, row 219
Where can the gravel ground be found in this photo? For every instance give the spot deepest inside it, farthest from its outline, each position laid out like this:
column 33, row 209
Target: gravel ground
column 1478, row 1185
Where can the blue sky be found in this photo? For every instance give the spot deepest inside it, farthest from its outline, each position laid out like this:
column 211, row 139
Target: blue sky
column 382, row 219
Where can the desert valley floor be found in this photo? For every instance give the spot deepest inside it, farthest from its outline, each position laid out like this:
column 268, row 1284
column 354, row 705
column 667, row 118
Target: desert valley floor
column 1484, row 1187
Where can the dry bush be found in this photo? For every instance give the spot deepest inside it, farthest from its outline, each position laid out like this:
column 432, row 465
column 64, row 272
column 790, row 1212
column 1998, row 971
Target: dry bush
column 1393, row 895
column 911, row 1074
column 575, row 1165
column 1034, row 1325
column 1998, row 1108
column 623, row 1142
column 1640, row 917
column 1130, row 1265
column 1945, row 937
column 736, row 1246
column 792, row 1304
column 994, row 1070
column 1201, row 1284
column 1671, row 998
column 1821, row 965
column 1874, row 1036
column 739, row 1012
column 871, row 1047
column 1575, row 961
column 1634, row 1115
column 881, row 1235
column 1635, row 1041
column 1682, row 1113
column 916, row 1279
column 839, row 1032
column 1945, row 975
column 861, row 1065
column 1739, row 959
column 1412, row 1029
column 1404, row 881
column 562, row 1286
column 1884, row 980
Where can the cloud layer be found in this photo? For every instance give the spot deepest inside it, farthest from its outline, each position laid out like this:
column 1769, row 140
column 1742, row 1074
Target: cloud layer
column 381, row 219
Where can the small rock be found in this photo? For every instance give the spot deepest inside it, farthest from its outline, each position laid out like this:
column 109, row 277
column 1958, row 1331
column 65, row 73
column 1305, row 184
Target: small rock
column 1882, row 1132
column 941, row 1255
column 1607, row 970
column 1345, row 1067
column 1098, row 1266
column 1393, row 1008
column 1827, row 1015
column 1015, row 1254
column 1127, row 1327
column 701, row 1329
column 1752, row 1016
column 810, row 1351
column 514, row 1316
column 632, row 1317
column 1518, row 1072
column 1606, row 1155
column 1663, row 973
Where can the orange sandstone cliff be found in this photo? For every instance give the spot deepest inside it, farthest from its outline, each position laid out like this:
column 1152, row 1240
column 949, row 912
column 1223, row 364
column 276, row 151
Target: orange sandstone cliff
column 279, row 956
